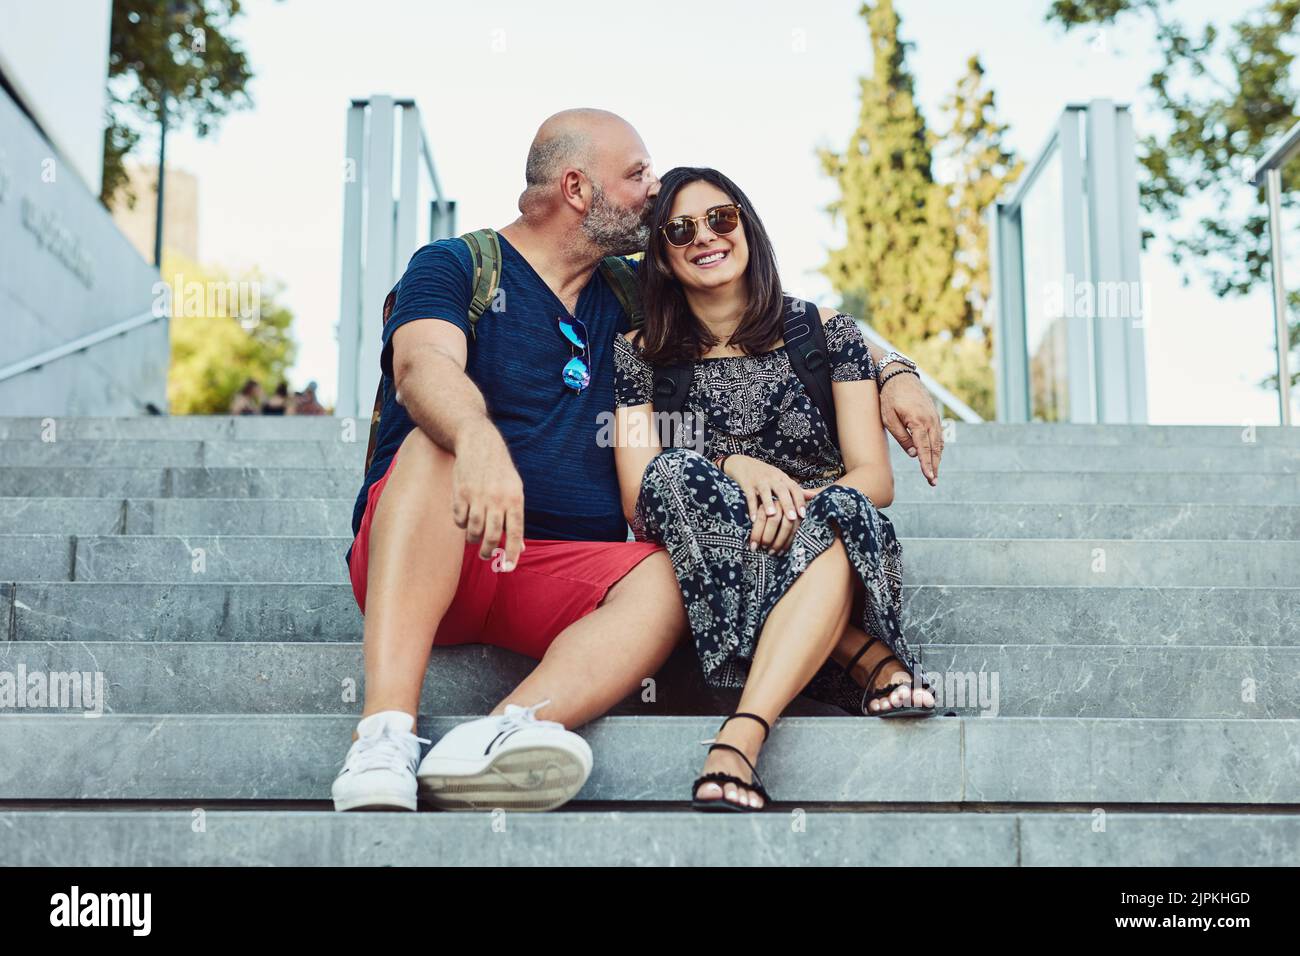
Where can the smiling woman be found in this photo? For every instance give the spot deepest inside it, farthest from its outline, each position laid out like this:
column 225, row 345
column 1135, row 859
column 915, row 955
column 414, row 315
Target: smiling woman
column 702, row 211
column 790, row 575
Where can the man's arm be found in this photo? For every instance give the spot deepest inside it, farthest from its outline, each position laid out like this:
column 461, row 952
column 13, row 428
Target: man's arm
column 487, row 492
column 908, row 411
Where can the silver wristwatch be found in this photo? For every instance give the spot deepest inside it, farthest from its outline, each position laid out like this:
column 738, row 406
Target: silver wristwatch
column 896, row 357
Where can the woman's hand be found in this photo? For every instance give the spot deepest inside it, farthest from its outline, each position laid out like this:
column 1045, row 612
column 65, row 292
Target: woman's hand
column 776, row 501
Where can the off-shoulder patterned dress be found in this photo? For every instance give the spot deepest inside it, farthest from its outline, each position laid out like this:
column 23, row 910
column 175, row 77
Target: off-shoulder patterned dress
column 756, row 405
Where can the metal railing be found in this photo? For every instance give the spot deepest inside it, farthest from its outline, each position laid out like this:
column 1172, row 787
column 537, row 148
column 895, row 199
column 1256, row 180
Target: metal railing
column 949, row 400
column 381, row 229
column 1268, row 172
column 79, row 344
column 1080, row 192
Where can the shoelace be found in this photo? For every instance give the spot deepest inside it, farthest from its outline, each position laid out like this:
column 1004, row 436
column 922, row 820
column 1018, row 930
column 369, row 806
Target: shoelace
column 528, row 717
column 382, row 751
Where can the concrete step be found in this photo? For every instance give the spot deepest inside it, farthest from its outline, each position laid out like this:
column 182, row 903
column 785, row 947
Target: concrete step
column 328, row 428
column 162, row 453
column 123, row 677
column 186, row 428
column 967, row 487
column 949, row 614
column 99, row 611
column 350, row 456
column 1098, row 562
column 266, row 516
column 313, row 678
column 935, row 519
column 816, row 759
column 782, row 836
column 947, row 519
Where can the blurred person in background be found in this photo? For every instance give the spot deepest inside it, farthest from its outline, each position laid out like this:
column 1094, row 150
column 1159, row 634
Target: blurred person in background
column 248, row 400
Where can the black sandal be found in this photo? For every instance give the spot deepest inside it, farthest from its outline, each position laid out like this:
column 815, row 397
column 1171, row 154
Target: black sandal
column 720, row 778
column 870, row 692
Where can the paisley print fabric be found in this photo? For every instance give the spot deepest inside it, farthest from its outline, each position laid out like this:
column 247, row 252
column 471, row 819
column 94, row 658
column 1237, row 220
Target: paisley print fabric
column 755, row 405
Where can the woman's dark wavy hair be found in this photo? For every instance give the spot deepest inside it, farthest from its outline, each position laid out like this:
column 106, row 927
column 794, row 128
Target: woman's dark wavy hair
column 672, row 333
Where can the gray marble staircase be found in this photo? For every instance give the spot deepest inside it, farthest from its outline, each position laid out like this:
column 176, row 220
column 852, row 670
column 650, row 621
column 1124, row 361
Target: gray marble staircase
column 1112, row 614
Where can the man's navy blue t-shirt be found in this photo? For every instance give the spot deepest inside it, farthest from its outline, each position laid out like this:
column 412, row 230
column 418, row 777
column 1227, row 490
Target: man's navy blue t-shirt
column 570, row 485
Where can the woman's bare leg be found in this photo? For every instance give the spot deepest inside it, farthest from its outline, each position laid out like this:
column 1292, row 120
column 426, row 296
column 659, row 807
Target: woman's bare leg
column 850, row 641
column 795, row 641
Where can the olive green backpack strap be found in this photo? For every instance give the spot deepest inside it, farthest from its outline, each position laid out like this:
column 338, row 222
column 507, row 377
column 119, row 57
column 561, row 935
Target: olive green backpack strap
column 485, row 251
column 622, row 279
column 485, row 254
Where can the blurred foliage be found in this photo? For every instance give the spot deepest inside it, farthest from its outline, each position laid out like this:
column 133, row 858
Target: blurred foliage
column 177, row 51
column 1228, row 93
column 915, row 262
column 216, row 344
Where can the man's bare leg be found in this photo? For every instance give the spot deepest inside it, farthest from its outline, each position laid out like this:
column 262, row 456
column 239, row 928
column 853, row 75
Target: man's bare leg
column 414, row 568
column 602, row 658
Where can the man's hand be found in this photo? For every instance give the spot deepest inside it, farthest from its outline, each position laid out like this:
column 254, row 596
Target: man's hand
column 487, row 494
column 908, row 411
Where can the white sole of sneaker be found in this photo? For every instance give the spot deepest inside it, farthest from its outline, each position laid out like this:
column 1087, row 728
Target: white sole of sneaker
column 528, row 779
column 377, row 801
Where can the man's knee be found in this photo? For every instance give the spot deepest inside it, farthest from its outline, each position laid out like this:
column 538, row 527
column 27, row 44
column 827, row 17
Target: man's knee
column 419, row 448
column 652, row 584
column 420, row 466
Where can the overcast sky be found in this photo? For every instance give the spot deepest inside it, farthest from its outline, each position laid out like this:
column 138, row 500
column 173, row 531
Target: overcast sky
column 751, row 88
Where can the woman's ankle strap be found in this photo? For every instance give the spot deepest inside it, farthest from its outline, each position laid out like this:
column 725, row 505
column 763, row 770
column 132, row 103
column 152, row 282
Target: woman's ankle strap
column 766, row 729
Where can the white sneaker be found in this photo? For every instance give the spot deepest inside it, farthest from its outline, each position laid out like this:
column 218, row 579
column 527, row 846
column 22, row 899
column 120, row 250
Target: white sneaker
column 379, row 772
column 514, row 762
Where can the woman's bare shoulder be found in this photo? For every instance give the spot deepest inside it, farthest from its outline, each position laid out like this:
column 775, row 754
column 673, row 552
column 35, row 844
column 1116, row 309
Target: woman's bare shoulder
column 827, row 313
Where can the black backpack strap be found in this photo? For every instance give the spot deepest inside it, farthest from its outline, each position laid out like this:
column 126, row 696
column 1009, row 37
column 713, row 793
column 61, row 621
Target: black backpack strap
column 672, row 383
column 805, row 343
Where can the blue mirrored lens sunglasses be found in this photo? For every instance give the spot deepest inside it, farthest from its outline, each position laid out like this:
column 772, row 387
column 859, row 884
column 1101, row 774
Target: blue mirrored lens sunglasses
column 576, row 373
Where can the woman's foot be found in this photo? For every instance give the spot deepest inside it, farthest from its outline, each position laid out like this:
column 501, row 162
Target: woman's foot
column 747, row 736
column 893, row 673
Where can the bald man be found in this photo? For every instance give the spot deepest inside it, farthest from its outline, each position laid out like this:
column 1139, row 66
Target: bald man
column 491, row 514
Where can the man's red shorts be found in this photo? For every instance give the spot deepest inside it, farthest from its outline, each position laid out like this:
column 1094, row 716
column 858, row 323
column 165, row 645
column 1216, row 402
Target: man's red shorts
column 554, row 584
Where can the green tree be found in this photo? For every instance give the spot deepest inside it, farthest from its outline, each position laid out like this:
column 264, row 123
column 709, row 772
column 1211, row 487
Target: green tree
column 974, row 147
column 975, row 143
column 914, row 264
column 224, row 330
column 173, row 52
column 896, row 265
column 1226, row 94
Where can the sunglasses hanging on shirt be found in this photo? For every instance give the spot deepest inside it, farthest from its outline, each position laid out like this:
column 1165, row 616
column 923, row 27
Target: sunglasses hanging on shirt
column 576, row 373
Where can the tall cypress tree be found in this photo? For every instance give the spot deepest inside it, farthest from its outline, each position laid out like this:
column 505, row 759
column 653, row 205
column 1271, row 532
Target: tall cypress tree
column 896, row 267
column 978, row 166
column 983, row 167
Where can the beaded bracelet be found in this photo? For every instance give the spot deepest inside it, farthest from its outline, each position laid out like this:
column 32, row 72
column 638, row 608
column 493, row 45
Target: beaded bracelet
column 901, row 371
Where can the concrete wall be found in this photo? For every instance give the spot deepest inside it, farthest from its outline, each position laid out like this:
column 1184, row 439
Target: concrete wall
column 67, row 270
column 55, row 54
